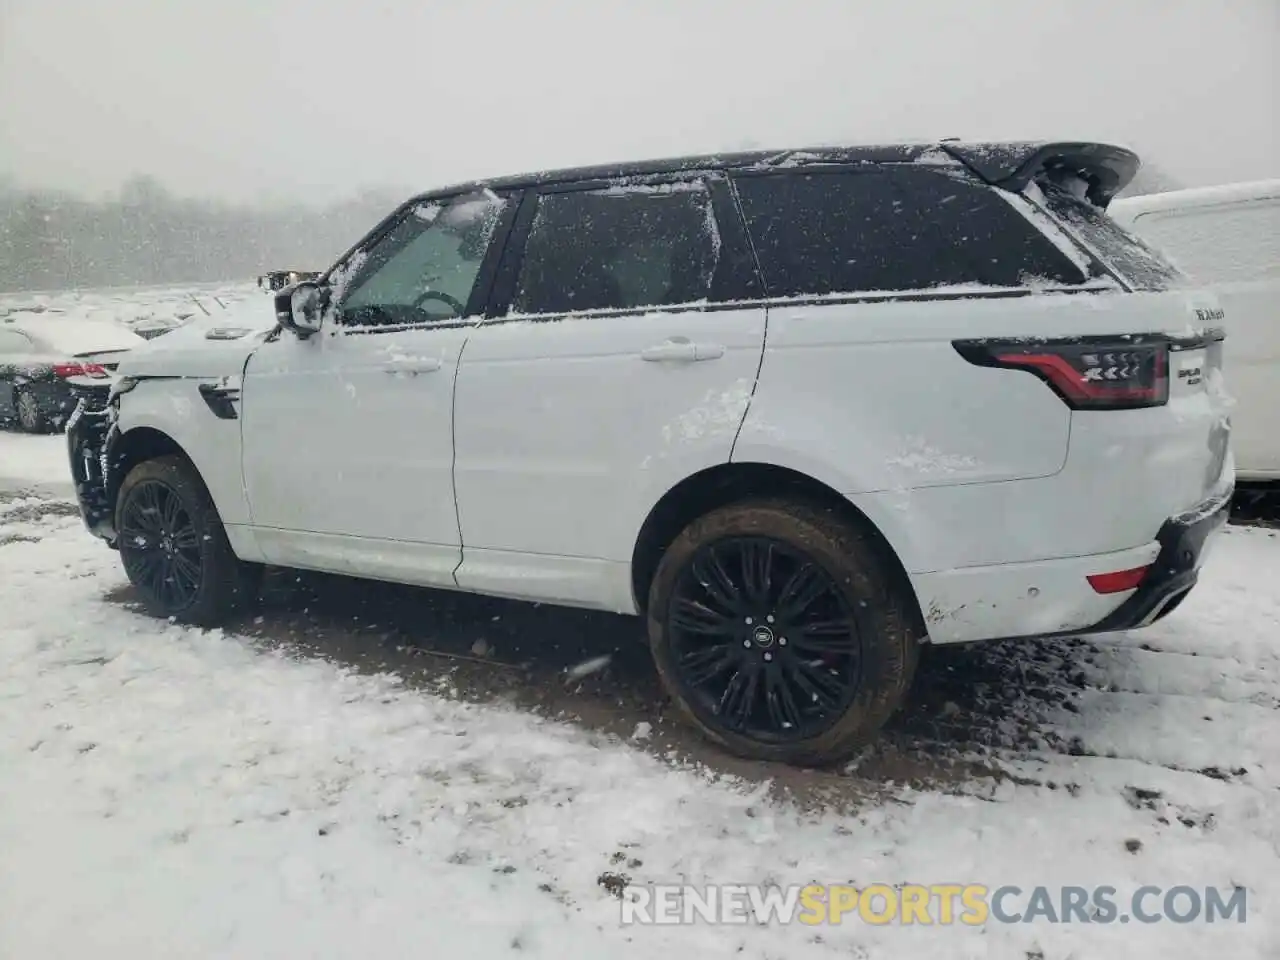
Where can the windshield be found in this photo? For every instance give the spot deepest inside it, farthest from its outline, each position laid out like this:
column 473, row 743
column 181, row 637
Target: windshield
column 1140, row 266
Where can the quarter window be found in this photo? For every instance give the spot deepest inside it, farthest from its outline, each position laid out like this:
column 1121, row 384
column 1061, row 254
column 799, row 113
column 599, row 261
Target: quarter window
column 622, row 248
column 425, row 268
column 892, row 230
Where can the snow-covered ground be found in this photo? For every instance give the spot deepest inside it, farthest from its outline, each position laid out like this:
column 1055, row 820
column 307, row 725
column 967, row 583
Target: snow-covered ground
column 175, row 793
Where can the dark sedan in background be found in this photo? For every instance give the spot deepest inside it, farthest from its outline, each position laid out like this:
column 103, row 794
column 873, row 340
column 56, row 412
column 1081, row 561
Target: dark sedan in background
column 48, row 363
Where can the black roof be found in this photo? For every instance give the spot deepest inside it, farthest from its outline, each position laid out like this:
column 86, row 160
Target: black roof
column 1011, row 164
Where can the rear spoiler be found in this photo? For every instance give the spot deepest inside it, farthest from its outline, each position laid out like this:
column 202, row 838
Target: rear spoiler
column 1107, row 169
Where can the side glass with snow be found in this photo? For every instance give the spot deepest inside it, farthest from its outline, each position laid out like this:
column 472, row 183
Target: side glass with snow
column 1140, row 265
column 891, row 231
column 424, row 269
column 620, row 248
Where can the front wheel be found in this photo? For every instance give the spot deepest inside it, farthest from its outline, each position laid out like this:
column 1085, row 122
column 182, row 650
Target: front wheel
column 781, row 632
column 173, row 546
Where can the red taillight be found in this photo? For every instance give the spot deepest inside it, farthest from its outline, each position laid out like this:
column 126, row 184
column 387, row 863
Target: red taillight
column 65, row 370
column 1088, row 375
column 1119, row 581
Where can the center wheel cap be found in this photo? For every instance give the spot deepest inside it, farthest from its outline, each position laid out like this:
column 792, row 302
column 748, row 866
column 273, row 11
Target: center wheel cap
column 762, row 636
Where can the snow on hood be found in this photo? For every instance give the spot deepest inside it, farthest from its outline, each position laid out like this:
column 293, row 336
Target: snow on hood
column 204, row 346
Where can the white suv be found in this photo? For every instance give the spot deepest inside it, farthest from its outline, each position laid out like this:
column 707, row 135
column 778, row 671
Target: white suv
column 803, row 411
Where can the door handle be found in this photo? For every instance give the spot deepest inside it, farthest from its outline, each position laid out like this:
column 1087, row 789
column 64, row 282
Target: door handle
column 412, row 366
column 682, row 350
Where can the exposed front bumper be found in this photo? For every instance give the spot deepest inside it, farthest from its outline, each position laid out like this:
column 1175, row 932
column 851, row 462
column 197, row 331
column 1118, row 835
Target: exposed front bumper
column 89, row 432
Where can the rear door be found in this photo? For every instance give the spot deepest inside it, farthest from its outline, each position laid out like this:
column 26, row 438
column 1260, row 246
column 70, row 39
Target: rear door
column 619, row 358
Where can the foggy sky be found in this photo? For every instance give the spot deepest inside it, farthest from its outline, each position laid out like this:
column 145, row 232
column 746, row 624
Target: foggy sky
column 252, row 99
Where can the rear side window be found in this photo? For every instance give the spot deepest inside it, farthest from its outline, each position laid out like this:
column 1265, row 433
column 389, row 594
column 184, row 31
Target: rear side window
column 1236, row 242
column 1141, row 266
column 621, row 248
column 892, row 230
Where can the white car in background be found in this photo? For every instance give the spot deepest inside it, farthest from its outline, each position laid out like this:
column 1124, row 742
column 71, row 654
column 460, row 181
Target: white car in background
column 802, row 410
column 48, row 362
column 1228, row 238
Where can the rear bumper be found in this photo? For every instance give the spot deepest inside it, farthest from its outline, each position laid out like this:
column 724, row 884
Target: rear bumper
column 1054, row 598
column 89, row 435
column 1183, row 541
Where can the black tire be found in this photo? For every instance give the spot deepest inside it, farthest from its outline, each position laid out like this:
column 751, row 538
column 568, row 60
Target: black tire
column 27, row 412
column 871, row 643
column 209, row 583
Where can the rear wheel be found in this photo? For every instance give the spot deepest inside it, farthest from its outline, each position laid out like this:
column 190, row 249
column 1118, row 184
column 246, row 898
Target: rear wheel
column 30, row 417
column 174, row 548
column 781, row 632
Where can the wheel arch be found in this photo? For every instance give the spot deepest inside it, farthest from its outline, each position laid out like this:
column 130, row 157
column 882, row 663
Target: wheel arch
column 729, row 483
column 138, row 445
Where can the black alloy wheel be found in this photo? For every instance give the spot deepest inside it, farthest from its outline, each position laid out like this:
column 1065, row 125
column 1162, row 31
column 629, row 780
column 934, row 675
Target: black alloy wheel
column 763, row 639
column 160, row 545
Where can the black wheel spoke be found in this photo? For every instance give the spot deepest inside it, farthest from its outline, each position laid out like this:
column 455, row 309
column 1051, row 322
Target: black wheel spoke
column 820, row 677
column 702, row 666
column 802, row 588
column 836, row 627
column 710, row 572
column 187, row 568
column 757, row 570
column 164, row 583
column 811, row 691
column 826, row 644
column 783, row 710
column 149, row 505
column 169, row 510
column 148, row 565
column 738, row 698
column 694, row 617
column 186, row 538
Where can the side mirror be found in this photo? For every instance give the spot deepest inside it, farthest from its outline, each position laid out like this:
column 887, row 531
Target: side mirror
column 300, row 308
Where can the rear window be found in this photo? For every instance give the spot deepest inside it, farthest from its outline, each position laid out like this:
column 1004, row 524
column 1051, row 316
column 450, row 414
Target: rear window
column 892, row 230
column 1142, row 267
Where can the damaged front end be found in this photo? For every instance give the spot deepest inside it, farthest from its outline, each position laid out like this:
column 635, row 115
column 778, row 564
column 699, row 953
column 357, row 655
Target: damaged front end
column 91, row 430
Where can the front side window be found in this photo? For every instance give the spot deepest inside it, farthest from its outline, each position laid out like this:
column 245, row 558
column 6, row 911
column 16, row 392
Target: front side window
column 621, row 248
column 892, row 230
column 424, row 269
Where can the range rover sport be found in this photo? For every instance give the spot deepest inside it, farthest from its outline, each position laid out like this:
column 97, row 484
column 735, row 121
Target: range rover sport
column 803, row 411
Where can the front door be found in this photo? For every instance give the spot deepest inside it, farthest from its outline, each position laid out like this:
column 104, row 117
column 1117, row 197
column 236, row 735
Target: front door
column 348, row 434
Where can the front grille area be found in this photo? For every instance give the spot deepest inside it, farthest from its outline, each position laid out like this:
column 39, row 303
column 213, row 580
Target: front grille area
column 87, row 433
